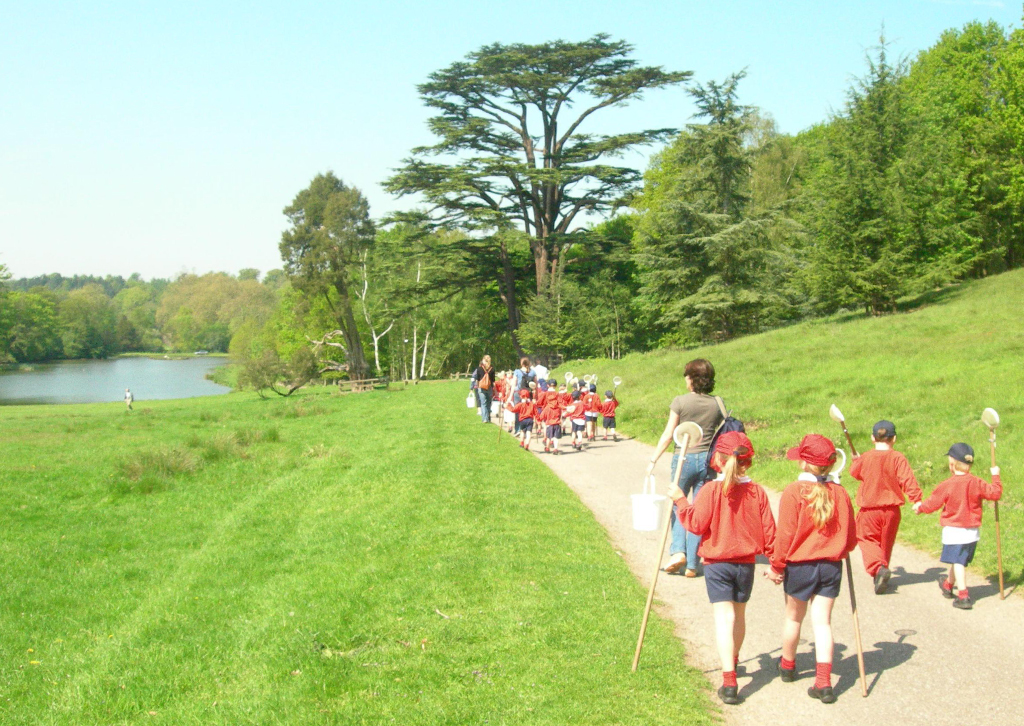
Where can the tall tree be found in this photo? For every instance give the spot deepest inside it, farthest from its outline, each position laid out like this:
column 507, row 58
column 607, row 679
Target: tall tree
column 323, row 250
column 512, row 122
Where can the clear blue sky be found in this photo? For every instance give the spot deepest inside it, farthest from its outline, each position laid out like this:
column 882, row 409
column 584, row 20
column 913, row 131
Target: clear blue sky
column 167, row 137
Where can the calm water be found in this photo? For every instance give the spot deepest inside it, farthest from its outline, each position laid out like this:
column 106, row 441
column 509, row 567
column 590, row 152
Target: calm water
column 98, row 381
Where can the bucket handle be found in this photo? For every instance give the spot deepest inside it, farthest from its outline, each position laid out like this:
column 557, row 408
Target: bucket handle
column 649, row 479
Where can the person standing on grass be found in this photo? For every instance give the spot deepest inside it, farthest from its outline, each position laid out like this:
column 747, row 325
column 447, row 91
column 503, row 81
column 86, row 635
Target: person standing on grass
column 816, row 532
column 886, row 482
column 735, row 515
column 483, row 383
column 699, row 406
column 128, row 398
column 960, row 498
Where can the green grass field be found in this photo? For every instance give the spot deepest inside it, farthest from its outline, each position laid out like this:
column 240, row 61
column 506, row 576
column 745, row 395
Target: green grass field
column 367, row 559
column 931, row 370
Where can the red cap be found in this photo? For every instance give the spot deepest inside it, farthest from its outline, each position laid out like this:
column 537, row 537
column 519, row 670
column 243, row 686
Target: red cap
column 814, row 449
column 736, row 442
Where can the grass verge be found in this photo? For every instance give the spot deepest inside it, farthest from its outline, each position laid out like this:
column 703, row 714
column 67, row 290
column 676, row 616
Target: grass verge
column 319, row 559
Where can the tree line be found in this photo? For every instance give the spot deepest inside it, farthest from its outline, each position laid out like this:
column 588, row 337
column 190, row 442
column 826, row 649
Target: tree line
column 527, row 234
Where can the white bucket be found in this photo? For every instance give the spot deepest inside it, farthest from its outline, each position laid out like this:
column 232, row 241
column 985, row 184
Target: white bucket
column 471, row 401
column 510, row 417
column 495, row 408
column 648, row 508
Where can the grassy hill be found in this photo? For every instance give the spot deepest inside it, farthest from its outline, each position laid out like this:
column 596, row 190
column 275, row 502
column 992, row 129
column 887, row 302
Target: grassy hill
column 320, row 559
column 931, row 370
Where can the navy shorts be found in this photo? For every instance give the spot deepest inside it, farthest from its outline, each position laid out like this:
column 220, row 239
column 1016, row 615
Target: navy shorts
column 729, row 581
column 591, row 415
column 554, row 431
column 526, row 424
column 609, row 423
column 961, row 554
column 804, row 580
column 578, row 428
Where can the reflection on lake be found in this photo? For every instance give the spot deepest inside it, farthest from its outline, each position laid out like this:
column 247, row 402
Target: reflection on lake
column 97, row 381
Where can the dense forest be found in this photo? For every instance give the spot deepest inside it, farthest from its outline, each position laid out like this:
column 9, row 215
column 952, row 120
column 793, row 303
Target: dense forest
column 524, row 236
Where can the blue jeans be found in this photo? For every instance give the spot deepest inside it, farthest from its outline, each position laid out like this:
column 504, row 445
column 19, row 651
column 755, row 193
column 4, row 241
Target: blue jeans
column 691, row 479
column 484, row 398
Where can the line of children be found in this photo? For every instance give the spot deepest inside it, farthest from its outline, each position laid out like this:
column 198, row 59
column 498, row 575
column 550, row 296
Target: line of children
column 960, row 499
column 886, row 482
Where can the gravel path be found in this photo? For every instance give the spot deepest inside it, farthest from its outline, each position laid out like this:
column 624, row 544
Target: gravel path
column 926, row 662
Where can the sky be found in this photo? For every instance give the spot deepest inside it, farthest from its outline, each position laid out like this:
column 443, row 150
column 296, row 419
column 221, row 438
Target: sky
column 166, row 137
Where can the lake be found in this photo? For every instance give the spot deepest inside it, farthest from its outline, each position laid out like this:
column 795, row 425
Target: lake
column 98, row 381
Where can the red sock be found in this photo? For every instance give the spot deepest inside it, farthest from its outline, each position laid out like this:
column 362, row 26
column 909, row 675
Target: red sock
column 947, row 585
column 962, row 594
column 729, row 679
column 823, row 675
column 787, row 665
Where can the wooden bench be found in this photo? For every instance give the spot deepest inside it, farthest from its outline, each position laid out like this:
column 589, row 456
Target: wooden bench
column 362, row 385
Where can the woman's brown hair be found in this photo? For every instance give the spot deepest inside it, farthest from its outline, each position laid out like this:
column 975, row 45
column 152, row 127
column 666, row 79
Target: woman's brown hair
column 701, row 374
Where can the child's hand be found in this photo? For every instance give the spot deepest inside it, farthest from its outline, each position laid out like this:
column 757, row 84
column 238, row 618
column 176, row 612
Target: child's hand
column 674, row 492
column 917, row 507
column 775, row 577
column 650, row 468
column 994, row 471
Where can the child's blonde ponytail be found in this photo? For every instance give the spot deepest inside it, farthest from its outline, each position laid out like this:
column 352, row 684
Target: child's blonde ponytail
column 729, row 474
column 823, row 509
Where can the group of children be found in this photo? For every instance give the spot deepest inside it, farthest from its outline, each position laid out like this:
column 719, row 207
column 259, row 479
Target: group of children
column 815, row 531
column 549, row 407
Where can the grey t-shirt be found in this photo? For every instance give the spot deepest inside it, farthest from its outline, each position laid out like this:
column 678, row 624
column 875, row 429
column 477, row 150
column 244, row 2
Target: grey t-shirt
column 703, row 410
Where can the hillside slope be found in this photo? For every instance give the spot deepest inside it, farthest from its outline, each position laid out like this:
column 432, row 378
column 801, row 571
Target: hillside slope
column 932, row 371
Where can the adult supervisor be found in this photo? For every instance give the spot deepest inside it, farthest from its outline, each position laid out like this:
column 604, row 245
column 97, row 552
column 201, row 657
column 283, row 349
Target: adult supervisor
column 483, row 384
column 699, row 406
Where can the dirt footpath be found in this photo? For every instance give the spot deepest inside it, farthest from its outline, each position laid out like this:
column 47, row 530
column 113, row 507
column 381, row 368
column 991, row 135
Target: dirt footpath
column 927, row 663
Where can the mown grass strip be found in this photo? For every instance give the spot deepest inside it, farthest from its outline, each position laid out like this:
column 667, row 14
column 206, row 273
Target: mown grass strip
column 366, row 559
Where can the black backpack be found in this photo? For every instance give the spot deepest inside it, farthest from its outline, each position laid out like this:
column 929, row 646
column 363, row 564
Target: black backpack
column 728, row 424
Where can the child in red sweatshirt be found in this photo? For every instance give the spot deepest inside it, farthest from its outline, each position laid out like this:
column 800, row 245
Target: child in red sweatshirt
column 551, row 417
column 526, row 409
column 886, row 482
column 733, row 515
column 608, row 412
column 816, row 532
column 960, row 498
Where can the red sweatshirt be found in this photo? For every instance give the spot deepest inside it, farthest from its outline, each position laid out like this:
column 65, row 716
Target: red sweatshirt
column 591, row 402
column 564, row 399
column 960, row 497
column 551, row 413
column 885, row 476
column 525, row 409
column 735, row 528
column 799, row 540
column 608, row 408
column 499, row 390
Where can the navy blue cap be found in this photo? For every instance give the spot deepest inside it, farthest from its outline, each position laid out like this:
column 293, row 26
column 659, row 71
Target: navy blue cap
column 552, row 382
column 607, row 394
column 593, row 388
column 884, row 430
column 961, row 452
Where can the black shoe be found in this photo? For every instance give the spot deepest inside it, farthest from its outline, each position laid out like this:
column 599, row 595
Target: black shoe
column 788, row 675
column 729, row 695
column 947, row 592
column 882, row 580
column 825, row 695
column 963, row 603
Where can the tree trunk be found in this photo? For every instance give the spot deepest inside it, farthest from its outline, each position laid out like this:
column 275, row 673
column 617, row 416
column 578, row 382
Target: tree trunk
column 423, row 358
column 507, row 285
column 415, row 347
column 347, row 324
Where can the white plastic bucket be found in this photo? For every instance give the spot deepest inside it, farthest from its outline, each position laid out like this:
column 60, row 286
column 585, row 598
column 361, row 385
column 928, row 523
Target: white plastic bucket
column 471, row 401
column 495, row 408
column 510, row 417
column 648, row 508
